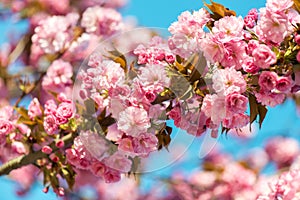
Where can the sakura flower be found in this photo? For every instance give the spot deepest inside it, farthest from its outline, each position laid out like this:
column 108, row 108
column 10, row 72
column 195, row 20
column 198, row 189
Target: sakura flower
column 283, row 151
column 58, row 76
column 263, row 56
column 273, row 26
column 267, row 80
column 227, row 81
column 133, row 121
column 53, row 33
column 79, row 156
column 284, row 84
column 101, row 21
column 34, row 109
column 187, row 32
column 64, row 112
column 118, row 161
column 50, row 124
column 269, row 98
column 154, row 78
column 144, row 144
column 236, row 121
column 279, row 5
column 5, row 127
column 236, row 103
column 231, row 26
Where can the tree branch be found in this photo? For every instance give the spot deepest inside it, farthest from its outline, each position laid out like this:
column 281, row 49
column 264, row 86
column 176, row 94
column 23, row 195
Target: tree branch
column 31, row 158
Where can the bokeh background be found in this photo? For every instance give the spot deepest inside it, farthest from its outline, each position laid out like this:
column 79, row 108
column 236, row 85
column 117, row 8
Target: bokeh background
column 281, row 120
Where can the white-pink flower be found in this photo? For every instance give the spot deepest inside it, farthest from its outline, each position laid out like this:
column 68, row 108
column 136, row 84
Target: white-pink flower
column 34, row 109
column 227, row 81
column 263, row 56
column 153, row 78
column 231, row 26
column 133, row 121
column 101, row 21
column 53, row 34
column 58, row 76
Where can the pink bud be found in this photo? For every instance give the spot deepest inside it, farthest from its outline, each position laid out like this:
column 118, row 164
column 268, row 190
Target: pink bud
column 47, row 149
column 54, row 158
column 60, row 144
column 46, row 189
column 60, row 191
column 297, row 39
column 298, row 56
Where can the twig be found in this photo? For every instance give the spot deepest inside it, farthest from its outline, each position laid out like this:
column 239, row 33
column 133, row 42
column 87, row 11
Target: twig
column 31, row 158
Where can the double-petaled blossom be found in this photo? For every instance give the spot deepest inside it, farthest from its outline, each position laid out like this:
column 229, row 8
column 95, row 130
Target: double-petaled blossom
column 101, row 21
column 55, row 33
column 155, row 52
column 34, row 109
column 187, row 32
column 227, row 81
column 58, row 76
column 133, row 121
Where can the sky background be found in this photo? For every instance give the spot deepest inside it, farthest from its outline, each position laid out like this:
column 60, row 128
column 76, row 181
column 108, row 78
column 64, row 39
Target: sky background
column 282, row 120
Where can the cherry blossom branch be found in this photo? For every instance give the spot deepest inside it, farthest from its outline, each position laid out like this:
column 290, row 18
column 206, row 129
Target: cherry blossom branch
column 31, row 158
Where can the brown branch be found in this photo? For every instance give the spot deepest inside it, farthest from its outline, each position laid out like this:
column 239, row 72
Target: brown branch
column 31, row 158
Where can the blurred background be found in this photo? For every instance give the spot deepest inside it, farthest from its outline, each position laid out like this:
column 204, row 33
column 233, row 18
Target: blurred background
column 282, row 120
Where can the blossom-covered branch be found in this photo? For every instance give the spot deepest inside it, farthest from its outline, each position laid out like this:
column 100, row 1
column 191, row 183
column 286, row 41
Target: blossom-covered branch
column 32, row 157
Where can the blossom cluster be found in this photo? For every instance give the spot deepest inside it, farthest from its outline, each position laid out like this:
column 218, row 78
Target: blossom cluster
column 216, row 70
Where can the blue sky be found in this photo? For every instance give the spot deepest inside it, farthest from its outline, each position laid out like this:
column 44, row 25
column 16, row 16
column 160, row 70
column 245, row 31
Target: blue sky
column 161, row 13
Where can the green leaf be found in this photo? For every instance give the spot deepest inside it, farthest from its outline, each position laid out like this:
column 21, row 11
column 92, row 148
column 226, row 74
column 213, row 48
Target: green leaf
column 23, row 112
column 26, row 121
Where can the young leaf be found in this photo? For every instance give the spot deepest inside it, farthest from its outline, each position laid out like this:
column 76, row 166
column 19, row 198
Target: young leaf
column 262, row 111
column 297, row 5
column 218, row 10
column 118, row 57
column 253, row 108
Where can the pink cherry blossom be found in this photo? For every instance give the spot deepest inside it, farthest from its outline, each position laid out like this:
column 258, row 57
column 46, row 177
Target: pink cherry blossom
column 284, row 84
column 133, row 121
column 249, row 66
column 228, row 80
column 279, row 5
column 267, row 80
column 263, row 56
column 58, row 76
column 283, row 151
column 273, row 26
column 187, row 32
column 144, row 144
column 236, row 103
column 101, row 21
column 155, row 52
column 64, row 112
column 236, row 121
column 153, row 78
column 50, row 124
column 34, row 109
column 118, row 161
column 79, row 156
column 18, row 147
column 231, row 26
column 5, row 127
column 269, row 98
column 53, row 33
